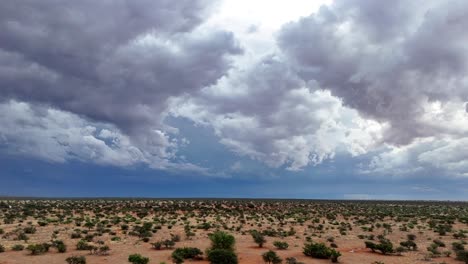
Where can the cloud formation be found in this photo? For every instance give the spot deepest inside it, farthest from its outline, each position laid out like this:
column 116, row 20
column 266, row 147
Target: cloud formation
column 95, row 81
column 267, row 113
column 115, row 62
column 386, row 60
column 400, row 65
column 59, row 136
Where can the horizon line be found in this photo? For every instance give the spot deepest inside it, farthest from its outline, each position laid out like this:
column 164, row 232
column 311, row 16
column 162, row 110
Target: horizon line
column 20, row 197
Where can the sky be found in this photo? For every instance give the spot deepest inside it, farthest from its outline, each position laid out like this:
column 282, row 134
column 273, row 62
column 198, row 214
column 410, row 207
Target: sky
column 325, row 99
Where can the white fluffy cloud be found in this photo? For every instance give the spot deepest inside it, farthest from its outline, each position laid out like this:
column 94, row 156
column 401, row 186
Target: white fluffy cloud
column 59, row 136
column 445, row 153
column 268, row 114
column 445, row 157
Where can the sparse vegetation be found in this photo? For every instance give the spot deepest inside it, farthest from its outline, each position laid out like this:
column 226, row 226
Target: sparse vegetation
column 94, row 226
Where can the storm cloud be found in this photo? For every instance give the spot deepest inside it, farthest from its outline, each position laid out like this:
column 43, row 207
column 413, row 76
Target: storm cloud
column 114, row 62
column 381, row 79
column 355, row 77
column 388, row 60
column 267, row 113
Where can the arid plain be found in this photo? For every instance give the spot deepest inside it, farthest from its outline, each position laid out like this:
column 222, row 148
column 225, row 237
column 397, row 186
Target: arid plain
column 109, row 231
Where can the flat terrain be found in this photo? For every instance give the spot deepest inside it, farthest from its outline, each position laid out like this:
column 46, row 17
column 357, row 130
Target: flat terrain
column 125, row 225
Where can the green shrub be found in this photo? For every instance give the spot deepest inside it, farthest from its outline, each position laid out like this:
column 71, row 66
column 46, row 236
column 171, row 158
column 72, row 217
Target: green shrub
column 385, row 246
column 37, row 249
column 317, row 250
column 271, row 257
column 457, row 246
column 321, row 251
column 177, row 259
column 157, row 245
column 281, row 245
column 334, row 255
column 17, row 247
column 462, row 255
column 439, row 242
column 188, row 253
column 60, row 246
column 292, row 260
column 168, row 243
column 138, row 259
column 75, row 235
column 258, row 238
column 410, row 245
column 76, row 260
column 400, row 250
column 222, row 256
column 29, row 230
column 22, row 236
column 222, row 240
column 2, row 248
column 83, row 245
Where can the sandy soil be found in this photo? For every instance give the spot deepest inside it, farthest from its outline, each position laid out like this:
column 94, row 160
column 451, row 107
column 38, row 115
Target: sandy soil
column 352, row 248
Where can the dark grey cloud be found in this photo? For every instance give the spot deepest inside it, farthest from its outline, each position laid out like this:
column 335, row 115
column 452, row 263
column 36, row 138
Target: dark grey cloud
column 400, row 64
column 88, row 78
column 389, row 60
column 111, row 61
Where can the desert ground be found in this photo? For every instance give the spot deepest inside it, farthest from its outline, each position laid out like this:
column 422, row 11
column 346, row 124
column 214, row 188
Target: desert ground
column 417, row 232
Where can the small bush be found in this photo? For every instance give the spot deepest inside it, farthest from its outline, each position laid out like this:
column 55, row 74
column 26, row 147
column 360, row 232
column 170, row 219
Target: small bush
column 157, row 245
column 76, row 260
column 317, row 250
column 462, row 255
column 258, row 238
column 385, row 246
column 292, row 260
column 60, row 246
column 321, row 251
column 17, row 247
column 188, row 253
column 439, row 242
column 168, row 243
column 83, row 245
column 36, row 249
column 281, row 245
column 222, row 256
column 175, row 238
column 138, row 259
column 271, row 257
column 410, row 245
column 457, row 246
column 222, row 240
column 29, row 230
